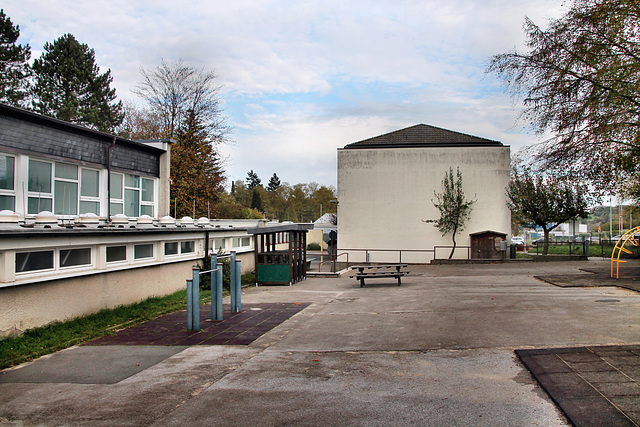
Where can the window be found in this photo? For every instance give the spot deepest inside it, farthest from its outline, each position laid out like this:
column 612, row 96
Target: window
column 89, row 191
column 75, row 257
column 241, row 242
column 117, row 201
column 33, row 261
column 65, row 201
column 7, row 183
column 219, row 245
column 132, row 195
column 187, row 247
column 171, row 248
column 39, row 187
column 175, row 248
column 116, row 253
column 143, row 251
column 147, row 197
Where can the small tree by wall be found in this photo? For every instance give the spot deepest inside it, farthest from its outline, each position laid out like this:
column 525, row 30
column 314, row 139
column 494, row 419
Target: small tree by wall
column 454, row 208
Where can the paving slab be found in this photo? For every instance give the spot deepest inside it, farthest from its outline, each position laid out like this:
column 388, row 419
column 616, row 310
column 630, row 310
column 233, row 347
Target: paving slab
column 593, row 386
column 438, row 350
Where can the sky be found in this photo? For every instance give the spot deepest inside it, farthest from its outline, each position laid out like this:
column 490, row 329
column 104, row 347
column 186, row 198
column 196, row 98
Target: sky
column 302, row 78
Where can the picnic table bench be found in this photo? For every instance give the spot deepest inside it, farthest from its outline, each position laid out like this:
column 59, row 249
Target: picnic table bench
column 379, row 271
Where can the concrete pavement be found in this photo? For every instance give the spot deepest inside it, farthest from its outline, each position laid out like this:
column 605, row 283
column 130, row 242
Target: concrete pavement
column 438, row 350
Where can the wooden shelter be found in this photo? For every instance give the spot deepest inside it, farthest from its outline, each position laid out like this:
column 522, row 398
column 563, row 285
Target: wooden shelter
column 486, row 244
column 280, row 253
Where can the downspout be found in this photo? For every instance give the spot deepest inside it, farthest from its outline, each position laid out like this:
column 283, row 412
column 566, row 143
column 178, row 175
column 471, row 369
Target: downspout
column 113, row 143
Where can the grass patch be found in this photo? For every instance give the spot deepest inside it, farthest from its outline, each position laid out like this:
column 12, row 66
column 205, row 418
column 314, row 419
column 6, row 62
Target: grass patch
column 56, row 336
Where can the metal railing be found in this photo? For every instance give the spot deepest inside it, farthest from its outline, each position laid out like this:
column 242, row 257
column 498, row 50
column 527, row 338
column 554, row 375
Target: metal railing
column 336, row 261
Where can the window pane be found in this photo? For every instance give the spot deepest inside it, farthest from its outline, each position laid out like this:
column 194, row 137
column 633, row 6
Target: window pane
column 116, row 253
column 66, row 171
column 116, row 208
column 65, row 198
column 171, row 248
column 116, row 186
column 90, row 207
column 131, row 202
column 89, row 183
column 7, row 202
column 143, row 251
column 72, row 257
column 132, row 181
column 187, row 247
column 31, row 261
column 146, row 210
column 38, row 204
column 39, row 176
column 7, row 167
column 218, row 244
column 147, row 190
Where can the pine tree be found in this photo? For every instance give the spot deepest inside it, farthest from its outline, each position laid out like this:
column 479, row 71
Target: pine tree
column 14, row 69
column 252, row 180
column 274, row 183
column 256, row 200
column 68, row 86
column 196, row 171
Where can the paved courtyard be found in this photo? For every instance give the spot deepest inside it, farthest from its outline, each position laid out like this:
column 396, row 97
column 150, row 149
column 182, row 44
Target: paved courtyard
column 438, row 350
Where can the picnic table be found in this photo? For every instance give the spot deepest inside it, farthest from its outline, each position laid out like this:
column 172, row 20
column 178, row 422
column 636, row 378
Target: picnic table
column 379, row 271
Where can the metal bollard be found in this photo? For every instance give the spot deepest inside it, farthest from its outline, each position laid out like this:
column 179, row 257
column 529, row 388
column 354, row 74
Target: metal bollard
column 189, row 305
column 196, row 299
column 238, row 287
column 232, row 281
column 216, row 293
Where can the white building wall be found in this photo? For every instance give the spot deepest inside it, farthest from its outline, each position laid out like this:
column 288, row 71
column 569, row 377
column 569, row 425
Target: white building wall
column 385, row 194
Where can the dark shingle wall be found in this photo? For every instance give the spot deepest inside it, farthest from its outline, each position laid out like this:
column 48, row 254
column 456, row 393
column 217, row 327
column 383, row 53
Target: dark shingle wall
column 55, row 142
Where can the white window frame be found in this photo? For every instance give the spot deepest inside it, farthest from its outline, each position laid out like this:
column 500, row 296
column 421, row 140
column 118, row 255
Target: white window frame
column 75, row 181
column 7, row 192
column 36, row 194
column 92, row 199
column 56, row 262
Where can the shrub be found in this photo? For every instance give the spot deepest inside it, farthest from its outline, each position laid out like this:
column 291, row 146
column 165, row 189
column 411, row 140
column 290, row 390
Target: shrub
column 313, row 246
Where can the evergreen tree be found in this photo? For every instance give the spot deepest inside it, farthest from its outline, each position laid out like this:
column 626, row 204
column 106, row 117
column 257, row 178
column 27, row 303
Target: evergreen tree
column 14, row 69
column 196, row 171
column 274, row 183
column 454, row 208
column 256, row 200
column 252, row 180
column 68, row 86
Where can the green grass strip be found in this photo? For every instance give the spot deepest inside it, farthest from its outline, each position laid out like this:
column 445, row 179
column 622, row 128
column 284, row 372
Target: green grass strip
column 56, row 336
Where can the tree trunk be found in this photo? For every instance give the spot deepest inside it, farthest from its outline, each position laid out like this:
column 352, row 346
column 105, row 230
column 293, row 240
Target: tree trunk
column 454, row 244
column 545, row 248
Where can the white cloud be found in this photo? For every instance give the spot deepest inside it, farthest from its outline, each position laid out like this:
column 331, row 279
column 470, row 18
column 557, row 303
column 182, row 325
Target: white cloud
column 303, row 78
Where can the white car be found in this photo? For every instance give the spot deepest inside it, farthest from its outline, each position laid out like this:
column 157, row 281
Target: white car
column 517, row 241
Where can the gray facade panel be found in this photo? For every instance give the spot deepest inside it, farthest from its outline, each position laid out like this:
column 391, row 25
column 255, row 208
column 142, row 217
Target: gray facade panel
column 28, row 137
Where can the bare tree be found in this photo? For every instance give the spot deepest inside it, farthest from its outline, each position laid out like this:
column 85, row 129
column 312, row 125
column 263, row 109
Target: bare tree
column 176, row 91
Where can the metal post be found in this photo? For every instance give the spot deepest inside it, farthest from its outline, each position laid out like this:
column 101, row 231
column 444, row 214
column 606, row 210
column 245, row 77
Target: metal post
column 189, row 305
column 196, row 298
column 232, row 281
column 238, row 287
column 218, row 301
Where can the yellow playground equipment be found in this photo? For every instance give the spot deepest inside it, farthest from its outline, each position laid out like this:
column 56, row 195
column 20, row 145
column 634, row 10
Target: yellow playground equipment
column 619, row 248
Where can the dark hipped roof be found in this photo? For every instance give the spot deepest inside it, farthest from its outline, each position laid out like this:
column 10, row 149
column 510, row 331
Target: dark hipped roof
column 424, row 136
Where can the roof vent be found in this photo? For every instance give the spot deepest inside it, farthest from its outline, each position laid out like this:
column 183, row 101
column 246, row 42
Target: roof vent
column 88, row 218
column 9, row 216
column 186, row 220
column 120, row 219
column 46, row 217
column 167, row 220
column 203, row 221
column 145, row 219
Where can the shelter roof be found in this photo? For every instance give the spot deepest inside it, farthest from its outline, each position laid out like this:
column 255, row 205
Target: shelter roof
column 424, row 136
